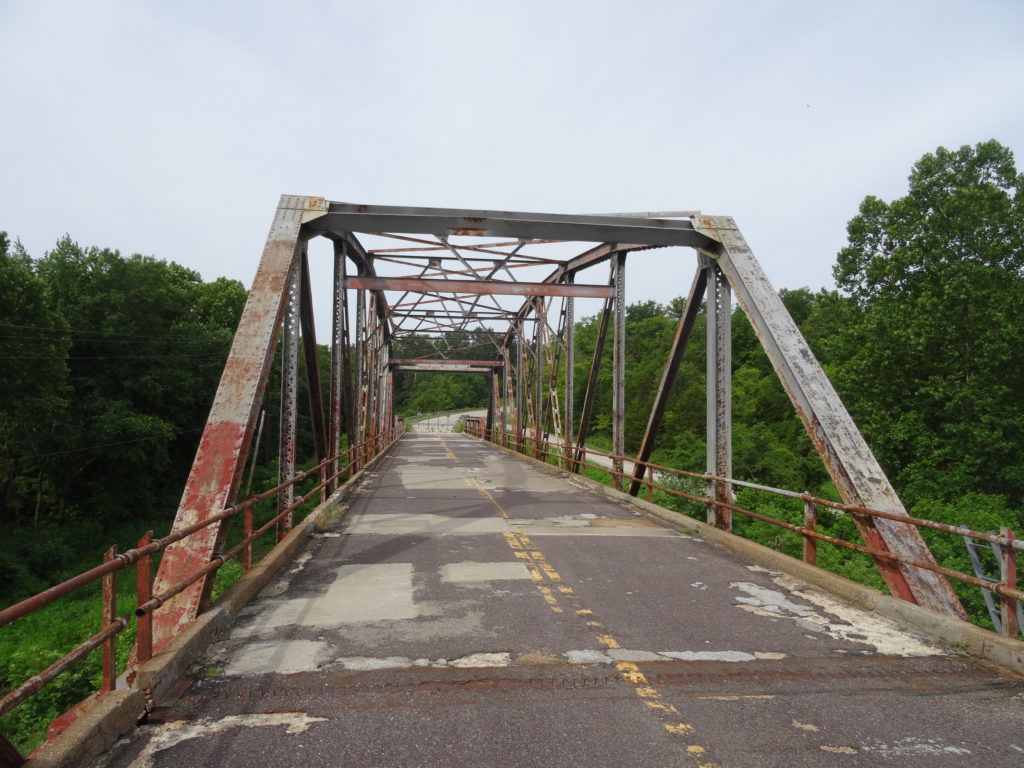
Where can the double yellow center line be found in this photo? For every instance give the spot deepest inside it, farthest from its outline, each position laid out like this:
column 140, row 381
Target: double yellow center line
column 555, row 592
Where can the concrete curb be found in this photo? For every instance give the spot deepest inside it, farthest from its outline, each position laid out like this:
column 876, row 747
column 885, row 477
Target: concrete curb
column 117, row 713
column 961, row 635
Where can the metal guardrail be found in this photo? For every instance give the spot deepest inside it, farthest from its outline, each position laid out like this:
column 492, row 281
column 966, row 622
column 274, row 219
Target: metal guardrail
column 1005, row 542
column 354, row 459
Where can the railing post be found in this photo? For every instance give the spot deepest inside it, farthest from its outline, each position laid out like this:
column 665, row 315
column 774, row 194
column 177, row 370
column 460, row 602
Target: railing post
column 811, row 524
column 144, row 582
column 247, row 520
column 107, row 614
column 1008, row 568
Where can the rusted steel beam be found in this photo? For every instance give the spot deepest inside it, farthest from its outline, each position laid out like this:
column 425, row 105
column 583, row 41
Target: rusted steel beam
column 309, row 349
column 854, row 469
column 492, row 407
column 719, row 393
column 1008, row 571
column 289, row 417
column 444, row 222
column 107, row 615
column 441, row 369
column 220, row 460
column 590, row 393
column 619, row 370
column 539, row 340
column 143, row 593
column 336, row 408
column 483, row 287
column 588, row 258
column 570, row 373
column 684, row 330
column 445, row 361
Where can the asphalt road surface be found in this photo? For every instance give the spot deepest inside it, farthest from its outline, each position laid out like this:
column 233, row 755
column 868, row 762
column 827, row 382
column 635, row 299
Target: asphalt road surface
column 472, row 609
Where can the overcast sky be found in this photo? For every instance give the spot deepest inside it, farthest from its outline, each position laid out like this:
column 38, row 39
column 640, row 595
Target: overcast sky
column 172, row 128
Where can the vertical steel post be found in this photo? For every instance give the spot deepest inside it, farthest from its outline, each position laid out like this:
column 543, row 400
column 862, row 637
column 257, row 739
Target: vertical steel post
column 108, row 612
column 360, row 401
column 143, row 594
column 811, row 524
column 289, row 400
column 570, row 371
column 506, row 386
column 719, row 393
column 371, row 372
column 492, row 406
column 338, row 382
column 590, row 394
column 520, row 387
column 1008, row 571
column 318, row 423
column 349, row 384
column 619, row 370
column 538, row 396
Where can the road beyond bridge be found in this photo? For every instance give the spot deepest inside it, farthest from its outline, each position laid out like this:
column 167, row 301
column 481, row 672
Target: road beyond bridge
column 472, row 609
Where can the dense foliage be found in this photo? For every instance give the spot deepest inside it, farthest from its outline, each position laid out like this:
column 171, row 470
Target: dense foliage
column 420, row 392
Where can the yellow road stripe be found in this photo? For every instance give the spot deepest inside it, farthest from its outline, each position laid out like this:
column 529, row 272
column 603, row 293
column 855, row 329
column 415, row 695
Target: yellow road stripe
column 540, row 570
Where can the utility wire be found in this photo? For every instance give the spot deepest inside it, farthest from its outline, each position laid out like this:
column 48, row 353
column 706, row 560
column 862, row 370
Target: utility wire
column 102, row 356
column 103, row 445
column 57, row 331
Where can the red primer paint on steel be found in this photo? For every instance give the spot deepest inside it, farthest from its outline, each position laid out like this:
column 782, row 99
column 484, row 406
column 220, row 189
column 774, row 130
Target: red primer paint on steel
column 217, row 457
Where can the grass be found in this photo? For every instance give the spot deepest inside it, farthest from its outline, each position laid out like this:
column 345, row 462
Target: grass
column 32, row 643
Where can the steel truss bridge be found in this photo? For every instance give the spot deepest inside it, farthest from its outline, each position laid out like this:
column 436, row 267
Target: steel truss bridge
column 462, row 260
column 509, row 281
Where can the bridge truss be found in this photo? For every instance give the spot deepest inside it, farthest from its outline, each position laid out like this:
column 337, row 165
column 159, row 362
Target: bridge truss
column 510, row 282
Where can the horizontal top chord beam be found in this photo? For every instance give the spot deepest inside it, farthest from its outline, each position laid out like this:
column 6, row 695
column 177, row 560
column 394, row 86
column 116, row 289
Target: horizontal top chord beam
column 483, row 287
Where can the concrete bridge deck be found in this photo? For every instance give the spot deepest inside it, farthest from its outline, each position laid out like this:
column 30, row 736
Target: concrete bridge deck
column 471, row 609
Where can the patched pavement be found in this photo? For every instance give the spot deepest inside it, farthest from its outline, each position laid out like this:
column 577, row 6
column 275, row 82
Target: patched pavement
column 471, row 609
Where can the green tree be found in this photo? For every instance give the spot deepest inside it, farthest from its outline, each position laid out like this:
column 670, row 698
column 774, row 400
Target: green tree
column 33, row 384
column 933, row 326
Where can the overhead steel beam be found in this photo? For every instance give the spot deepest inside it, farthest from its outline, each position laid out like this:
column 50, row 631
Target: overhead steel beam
column 850, row 462
column 444, row 369
column 444, row 222
column 224, row 446
column 568, row 269
column 446, row 361
column 484, row 287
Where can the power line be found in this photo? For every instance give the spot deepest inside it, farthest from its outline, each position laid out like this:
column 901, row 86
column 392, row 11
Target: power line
column 102, row 356
column 104, row 445
column 57, row 331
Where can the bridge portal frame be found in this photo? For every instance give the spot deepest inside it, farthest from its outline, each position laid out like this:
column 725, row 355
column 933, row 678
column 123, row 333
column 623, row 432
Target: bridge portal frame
column 360, row 400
